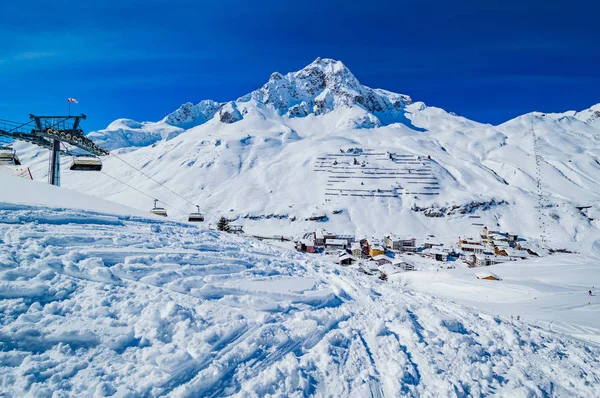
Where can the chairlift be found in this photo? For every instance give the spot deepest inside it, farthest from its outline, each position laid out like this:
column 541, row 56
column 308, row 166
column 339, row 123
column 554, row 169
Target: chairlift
column 196, row 217
column 85, row 163
column 159, row 211
column 9, row 156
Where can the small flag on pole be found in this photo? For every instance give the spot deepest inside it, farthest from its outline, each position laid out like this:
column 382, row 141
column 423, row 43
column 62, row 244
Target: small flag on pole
column 72, row 100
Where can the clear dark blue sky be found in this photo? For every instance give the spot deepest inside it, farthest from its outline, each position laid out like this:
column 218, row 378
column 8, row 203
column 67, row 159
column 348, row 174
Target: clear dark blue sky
column 487, row 60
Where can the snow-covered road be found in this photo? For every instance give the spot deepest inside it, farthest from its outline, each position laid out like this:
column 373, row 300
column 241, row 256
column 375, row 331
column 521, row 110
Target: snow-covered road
column 97, row 304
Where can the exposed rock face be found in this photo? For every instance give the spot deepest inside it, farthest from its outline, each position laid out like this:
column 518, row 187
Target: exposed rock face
column 189, row 115
column 321, row 87
column 467, row 208
column 299, row 110
column 367, row 121
column 229, row 113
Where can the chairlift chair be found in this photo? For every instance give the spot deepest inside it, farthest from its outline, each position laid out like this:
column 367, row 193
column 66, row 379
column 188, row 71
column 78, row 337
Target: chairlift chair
column 85, row 163
column 196, row 217
column 159, row 211
column 9, row 156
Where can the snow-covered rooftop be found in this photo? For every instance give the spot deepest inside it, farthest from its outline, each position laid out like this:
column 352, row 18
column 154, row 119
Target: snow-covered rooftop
column 382, row 257
column 471, row 246
column 336, row 242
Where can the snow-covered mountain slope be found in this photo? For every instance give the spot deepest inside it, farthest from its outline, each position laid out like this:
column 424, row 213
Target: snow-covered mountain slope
column 124, row 133
column 317, row 145
column 104, row 304
column 33, row 193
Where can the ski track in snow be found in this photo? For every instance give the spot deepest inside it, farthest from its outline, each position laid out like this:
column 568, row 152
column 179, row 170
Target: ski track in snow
column 149, row 308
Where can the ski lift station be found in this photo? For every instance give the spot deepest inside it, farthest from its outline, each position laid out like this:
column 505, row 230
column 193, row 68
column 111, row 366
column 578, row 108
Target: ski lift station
column 51, row 132
column 62, row 134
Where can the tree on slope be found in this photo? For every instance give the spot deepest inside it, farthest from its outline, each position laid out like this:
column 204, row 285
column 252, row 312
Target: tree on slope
column 223, row 225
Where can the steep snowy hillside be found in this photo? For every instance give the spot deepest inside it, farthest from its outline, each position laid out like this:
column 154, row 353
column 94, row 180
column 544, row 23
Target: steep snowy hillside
column 315, row 148
column 97, row 304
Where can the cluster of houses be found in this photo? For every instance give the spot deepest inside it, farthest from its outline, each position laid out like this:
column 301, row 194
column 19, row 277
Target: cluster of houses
column 321, row 240
column 371, row 252
column 491, row 247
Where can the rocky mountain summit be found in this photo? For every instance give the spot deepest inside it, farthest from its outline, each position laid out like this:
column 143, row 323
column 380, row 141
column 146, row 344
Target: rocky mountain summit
column 321, row 87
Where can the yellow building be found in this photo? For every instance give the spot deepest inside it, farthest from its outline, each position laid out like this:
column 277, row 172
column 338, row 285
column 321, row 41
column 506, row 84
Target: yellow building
column 376, row 250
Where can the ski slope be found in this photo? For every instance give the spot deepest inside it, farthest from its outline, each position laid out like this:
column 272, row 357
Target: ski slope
column 549, row 292
column 96, row 302
column 265, row 161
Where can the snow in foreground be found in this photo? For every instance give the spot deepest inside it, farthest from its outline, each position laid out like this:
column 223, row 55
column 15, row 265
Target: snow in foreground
column 94, row 304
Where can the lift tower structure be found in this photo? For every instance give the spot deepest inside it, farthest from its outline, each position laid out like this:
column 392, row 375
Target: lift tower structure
column 49, row 132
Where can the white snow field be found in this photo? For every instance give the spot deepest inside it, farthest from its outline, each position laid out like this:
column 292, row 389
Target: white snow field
column 266, row 160
column 549, row 292
column 96, row 302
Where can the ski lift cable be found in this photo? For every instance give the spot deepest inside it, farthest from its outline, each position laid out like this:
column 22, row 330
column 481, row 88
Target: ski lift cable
column 17, row 125
column 143, row 193
column 162, row 185
column 130, row 186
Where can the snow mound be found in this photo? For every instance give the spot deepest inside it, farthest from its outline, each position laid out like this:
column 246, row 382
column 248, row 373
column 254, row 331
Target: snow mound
column 19, row 191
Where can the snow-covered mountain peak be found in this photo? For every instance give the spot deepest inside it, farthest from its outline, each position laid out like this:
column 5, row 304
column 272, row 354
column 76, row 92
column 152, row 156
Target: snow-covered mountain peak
column 124, row 123
column 190, row 115
column 334, row 74
column 322, row 87
column 590, row 115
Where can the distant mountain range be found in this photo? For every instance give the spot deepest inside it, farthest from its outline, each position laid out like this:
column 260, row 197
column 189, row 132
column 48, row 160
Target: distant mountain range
column 316, row 141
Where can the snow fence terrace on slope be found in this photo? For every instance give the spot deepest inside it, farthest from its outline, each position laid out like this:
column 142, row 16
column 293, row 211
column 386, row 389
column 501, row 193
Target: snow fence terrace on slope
column 366, row 173
column 155, row 308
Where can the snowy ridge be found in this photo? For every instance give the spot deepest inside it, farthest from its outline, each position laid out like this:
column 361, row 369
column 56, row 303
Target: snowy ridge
column 321, row 87
column 324, row 86
column 123, row 133
column 149, row 308
column 189, row 115
column 261, row 155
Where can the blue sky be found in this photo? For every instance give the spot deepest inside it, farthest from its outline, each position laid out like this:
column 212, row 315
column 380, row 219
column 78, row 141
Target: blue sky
column 487, row 60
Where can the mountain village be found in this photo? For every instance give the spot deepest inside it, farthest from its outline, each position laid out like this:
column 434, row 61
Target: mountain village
column 116, row 278
column 327, row 199
column 393, row 254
